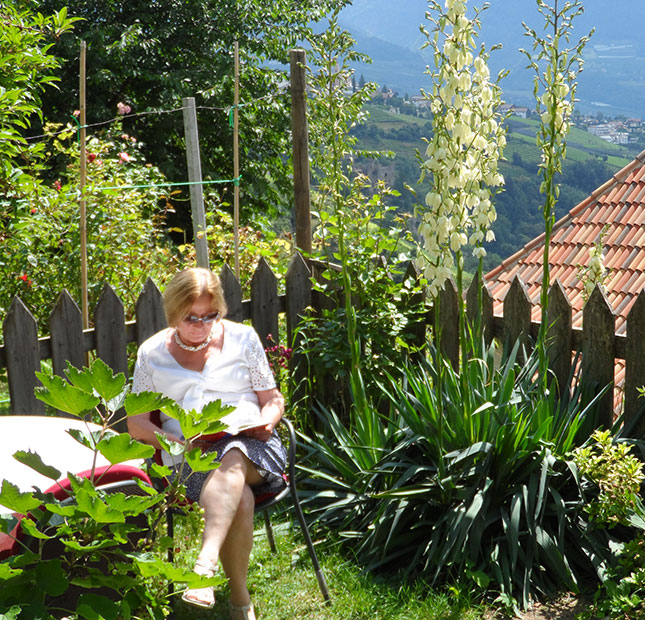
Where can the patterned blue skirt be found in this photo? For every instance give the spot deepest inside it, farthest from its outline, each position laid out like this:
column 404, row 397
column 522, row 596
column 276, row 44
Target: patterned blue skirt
column 269, row 458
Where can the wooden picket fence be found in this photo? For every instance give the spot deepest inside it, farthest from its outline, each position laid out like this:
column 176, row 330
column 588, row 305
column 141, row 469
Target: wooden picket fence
column 597, row 342
column 23, row 350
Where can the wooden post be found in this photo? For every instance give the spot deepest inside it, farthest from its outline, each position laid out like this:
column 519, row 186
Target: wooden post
column 83, row 177
column 236, row 161
column 301, row 192
column 195, row 178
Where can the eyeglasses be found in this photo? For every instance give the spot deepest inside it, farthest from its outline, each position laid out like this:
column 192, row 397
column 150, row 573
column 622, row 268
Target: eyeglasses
column 205, row 320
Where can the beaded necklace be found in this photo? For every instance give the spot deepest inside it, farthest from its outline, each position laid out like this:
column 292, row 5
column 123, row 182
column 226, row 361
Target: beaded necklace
column 188, row 347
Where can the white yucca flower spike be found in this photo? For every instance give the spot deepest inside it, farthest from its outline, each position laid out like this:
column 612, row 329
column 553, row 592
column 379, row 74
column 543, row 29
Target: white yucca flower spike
column 462, row 157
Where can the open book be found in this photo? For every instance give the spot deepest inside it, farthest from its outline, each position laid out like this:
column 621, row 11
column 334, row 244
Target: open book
column 246, row 415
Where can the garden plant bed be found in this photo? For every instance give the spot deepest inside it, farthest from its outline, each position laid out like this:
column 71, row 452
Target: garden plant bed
column 565, row 607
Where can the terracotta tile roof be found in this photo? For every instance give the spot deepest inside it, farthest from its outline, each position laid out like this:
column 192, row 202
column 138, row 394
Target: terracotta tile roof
column 618, row 203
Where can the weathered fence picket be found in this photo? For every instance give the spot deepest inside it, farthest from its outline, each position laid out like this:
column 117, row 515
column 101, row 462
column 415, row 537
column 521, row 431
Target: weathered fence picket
column 66, row 329
column 598, row 357
column 517, row 314
column 635, row 369
column 110, row 331
column 23, row 358
column 23, row 351
column 448, row 310
column 149, row 312
column 265, row 304
column 560, row 338
column 479, row 308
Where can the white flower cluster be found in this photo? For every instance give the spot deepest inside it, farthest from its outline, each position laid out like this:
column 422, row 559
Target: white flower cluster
column 462, row 156
column 555, row 107
column 594, row 273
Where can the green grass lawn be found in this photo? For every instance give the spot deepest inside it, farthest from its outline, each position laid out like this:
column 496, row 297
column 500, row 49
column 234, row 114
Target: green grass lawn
column 284, row 587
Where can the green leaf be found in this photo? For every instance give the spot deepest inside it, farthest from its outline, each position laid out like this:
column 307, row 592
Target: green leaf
column 61, row 395
column 144, row 402
column 121, row 447
column 94, row 578
column 114, row 404
column 51, row 577
column 171, row 447
column 95, row 507
column 194, row 423
column 199, row 461
column 160, row 471
column 94, row 545
column 26, row 558
column 480, row 578
column 151, row 566
column 98, row 378
column 12, row 498
column 29, row 528
column 64, row 510
column 95, row 607
column 13, row 612
column 132, row 504
column 7, row 523
column 33, row 460
column 88, row 438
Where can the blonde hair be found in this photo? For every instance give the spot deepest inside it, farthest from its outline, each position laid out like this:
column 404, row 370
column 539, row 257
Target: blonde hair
column 184, row 289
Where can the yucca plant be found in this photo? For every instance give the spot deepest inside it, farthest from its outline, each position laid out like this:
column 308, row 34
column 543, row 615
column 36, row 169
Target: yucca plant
column 473, row 479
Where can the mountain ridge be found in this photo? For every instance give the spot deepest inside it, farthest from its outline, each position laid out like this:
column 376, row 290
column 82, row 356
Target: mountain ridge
column 613, row 82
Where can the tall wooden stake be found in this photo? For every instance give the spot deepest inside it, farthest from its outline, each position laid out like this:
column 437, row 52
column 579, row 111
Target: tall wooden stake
column 83, row 178
column 300, row 133
column 195, row 178
column 236, row 162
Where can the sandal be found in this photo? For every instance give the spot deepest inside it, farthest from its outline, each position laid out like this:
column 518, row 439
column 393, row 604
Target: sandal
column 201, row 597
column 246, row 612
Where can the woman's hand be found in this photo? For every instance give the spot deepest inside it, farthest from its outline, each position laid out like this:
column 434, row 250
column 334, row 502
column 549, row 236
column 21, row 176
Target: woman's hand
column 262, row 433
column 272, row 407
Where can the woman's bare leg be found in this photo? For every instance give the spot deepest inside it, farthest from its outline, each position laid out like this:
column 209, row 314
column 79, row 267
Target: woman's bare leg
column 235, row 552
column 228, row 511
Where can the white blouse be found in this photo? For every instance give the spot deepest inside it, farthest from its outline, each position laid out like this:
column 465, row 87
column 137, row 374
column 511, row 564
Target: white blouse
column 232, row 375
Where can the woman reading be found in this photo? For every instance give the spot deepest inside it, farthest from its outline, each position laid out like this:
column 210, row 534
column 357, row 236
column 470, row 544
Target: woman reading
column 203, row 357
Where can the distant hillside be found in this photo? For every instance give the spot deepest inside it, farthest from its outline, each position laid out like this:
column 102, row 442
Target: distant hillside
column 590, row 162
column 613, row 81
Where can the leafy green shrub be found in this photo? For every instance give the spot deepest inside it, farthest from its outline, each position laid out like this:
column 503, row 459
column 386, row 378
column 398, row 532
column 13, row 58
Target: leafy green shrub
column 126, row 241
column 622, row 595
column 27, row 68
column 95, row 553
column 464, row 477
column 619, row 476
column 255, row 240
column 386, row 305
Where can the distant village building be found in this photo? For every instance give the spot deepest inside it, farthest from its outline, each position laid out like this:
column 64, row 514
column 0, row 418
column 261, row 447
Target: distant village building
column 420, row 102
column 514, row 110
column 611, row 132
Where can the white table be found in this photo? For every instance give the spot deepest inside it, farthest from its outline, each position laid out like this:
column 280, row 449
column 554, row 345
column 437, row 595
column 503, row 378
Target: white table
column 48, row 437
